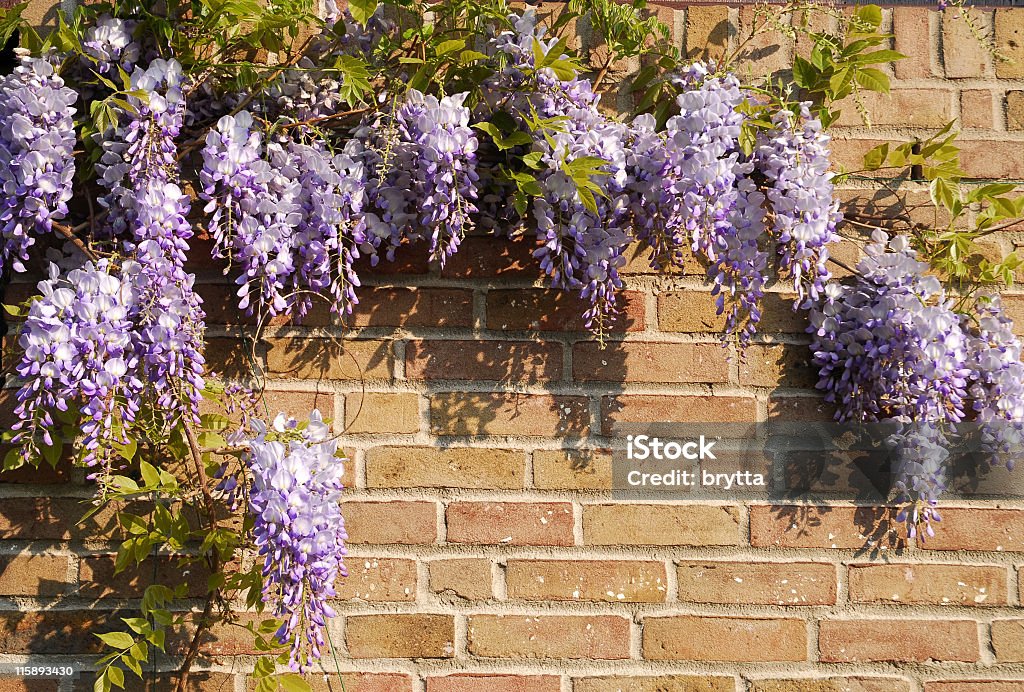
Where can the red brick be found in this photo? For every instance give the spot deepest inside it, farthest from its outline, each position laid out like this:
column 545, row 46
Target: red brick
column 28, row 684
column 498, row 413
column 803, row 526
column 475, row 682
column 978, row 529
column 761, row 583
column 409, row 260
column 51, row 518
column 329, row 359
column 969, row 585
column 549, row 636
column 553, row 310
column 445, row 467
column 488, row 257
column 409, row 308
column 57, row 631
column 628, row 361
column 911, row 25
column 98, row 579
column 613, row 581
column 778, row 365
column 648, row 408
column 831, row 685
column 468, row 578
column 399, row 522
column 1008, row 640
column 355, row 682
column 510, row 523
column 33, row 575
column 800, row 409
column 903, row 107
column 585, row 469
column 661, row 683
column 220, row 302
column 695, row 638
column 976, row 109
column 992, row 159
column 501, row 360
column 973, row 686
column 634, row 524
column 198, row 681
column 963, row 55
column 418, row 635
column 374, row 579
column 382, row 412
column 898, row 640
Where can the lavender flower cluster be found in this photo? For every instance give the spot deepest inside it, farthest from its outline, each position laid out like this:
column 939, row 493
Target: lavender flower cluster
column 298, row 530
column 37, row 168
column 890, row 347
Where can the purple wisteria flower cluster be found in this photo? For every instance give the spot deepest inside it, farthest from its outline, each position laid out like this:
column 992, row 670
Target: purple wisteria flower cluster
column 37, row 169
column 290, row 214
column 890, row 347
column 298, row 529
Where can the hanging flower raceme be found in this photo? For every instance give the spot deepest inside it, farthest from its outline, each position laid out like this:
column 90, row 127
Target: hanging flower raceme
column 37, row 166
column 290, row 214
column 298, row 528
column 79, row 354
column 794, row 158
column 147, row 212
column 110, row 43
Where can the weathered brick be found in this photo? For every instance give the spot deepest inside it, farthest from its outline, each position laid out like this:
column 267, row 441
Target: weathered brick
column 660, row 683
column 417, row 635
column 33, row 575
column 510, row 523
column 406, row 523
column 551, row 310
column 500, row 360
column 220, row 302
column 378, row 579
column 474, row 682
column 198, row 681
column 963, row 55
column 409, row 308
column 1009, row 39
column 355, row 682
column 763, row 52
column 1015, row 110
column 898, row 640
column 660, row 525
column 614, row 581
column 586, row 469
column 904, row 107
column 382, row 412
column 647, row 408
column 992, row 159
column 979, row 529
column 410, row 260
column 51, row 518
column 831, row 685
column 440, row 467
column 629, row 361
column 690, row 312
column 972, row 686
column 707, row 31
column 468, row 578
column 778, row 365
column 549, row 636
column 20, row 684
column 56, row 632
column 801, row 526
column 97, row 577
column 800, row 409
column 329, row 359
column 971, row 585
column 499, row 413
column 763, row 583
column 911, row 26
column 487, row 257
column 695, row 638
column 977, row 109
column 1008, row 640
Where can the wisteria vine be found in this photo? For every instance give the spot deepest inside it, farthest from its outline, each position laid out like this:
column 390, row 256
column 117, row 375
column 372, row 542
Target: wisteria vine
column 297, row 178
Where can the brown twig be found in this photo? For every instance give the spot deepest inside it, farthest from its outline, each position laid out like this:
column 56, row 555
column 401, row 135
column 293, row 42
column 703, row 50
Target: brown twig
column 69, row 233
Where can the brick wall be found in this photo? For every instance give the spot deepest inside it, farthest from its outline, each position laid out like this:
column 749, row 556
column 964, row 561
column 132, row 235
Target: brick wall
column 486, row 552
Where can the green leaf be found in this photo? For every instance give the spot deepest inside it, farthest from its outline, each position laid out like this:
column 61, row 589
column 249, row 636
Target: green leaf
column 450, row 46
column 533, row 160
column 943, row 192
column 872, row 79
column 293, row 682
column 878, row 56
column 149, row 474
column 117, row 640
column 870, row 15
column 116, row 676
column 52, row 453
column 804, row 74
column 362, row 10
column 875, row 158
